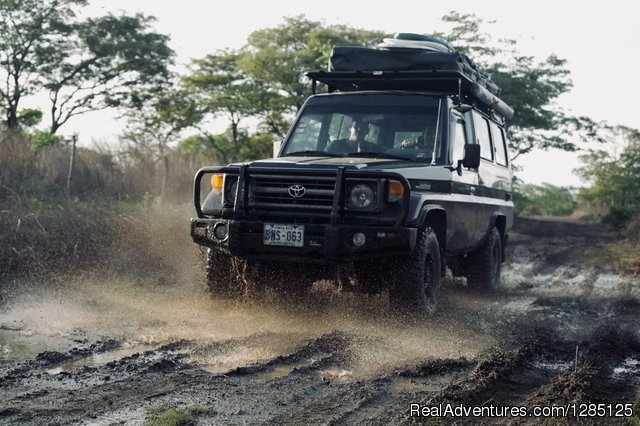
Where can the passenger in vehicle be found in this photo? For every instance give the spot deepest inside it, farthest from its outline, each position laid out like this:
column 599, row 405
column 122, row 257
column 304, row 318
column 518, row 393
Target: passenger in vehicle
column 412, row 143
column 420, row 148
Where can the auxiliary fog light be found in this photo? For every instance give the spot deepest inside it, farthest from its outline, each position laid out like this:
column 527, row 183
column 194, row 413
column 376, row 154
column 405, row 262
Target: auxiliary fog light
column 359, row 239
column 220, row 231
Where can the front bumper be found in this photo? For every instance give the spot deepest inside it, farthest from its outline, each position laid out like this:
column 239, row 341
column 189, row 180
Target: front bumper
column 322, row 243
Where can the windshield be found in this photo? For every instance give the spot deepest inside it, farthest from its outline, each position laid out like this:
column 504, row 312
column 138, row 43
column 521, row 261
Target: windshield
column 366, row 126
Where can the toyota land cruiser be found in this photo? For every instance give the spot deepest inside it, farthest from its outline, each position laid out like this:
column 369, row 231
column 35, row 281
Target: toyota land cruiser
column 396, row 173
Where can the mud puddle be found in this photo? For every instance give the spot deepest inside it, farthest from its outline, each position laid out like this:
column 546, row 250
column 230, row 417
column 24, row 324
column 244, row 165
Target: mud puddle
column 94, row 360
column 18, row 345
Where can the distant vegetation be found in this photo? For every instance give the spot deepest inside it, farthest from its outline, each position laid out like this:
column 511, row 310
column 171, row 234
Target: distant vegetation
column 544, row 200
column 615, row 178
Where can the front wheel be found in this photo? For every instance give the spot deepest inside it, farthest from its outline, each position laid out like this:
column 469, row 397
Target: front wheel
column 417, row 289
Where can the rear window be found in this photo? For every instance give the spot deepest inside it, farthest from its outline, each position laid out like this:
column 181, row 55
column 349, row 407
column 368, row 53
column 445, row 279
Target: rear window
column 484, row 138
column 499, row 142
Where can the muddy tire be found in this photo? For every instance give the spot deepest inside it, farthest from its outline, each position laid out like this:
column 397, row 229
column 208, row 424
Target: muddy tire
column 223, row 275
column 485, row 265
column 417, row 289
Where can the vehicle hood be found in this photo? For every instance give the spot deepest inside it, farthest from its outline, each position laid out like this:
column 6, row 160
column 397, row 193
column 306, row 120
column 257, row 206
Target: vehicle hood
column 332, row 162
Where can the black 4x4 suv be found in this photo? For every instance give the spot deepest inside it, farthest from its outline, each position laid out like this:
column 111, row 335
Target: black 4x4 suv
column 391, row 175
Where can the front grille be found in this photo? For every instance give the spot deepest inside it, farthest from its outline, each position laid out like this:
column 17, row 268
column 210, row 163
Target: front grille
column 270, row 198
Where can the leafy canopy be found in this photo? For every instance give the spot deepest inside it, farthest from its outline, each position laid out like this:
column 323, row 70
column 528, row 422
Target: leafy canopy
column 530, row 86
column 33, row 33
column 84, row 65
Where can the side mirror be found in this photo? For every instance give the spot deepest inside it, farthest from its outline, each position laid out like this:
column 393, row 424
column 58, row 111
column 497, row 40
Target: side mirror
column 471, row 158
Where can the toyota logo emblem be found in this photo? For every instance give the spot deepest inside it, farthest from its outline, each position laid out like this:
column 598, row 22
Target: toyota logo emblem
column 296, row 191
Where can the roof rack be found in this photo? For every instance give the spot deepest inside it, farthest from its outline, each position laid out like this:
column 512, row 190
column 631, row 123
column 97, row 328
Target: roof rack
column 412, row 62
column 446, row 82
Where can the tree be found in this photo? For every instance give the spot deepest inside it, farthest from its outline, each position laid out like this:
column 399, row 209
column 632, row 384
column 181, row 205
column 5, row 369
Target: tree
column 531, row 87
column 263, row 81
column 279, row 57
column 112, row 61
column 32, row 32
column 158, row 123
column 221, row 89
column 614, row 176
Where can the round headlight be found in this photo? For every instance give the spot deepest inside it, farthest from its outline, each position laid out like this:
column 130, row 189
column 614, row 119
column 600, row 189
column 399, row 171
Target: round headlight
column 361, row 196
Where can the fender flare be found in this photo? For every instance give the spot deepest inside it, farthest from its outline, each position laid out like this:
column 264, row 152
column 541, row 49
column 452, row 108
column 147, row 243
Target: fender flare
column 441, row 231
column 495, row 220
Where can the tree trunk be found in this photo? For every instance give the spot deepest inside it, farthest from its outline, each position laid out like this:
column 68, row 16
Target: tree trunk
column 12, row 117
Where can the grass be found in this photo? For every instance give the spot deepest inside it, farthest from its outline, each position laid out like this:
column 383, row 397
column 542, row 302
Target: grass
column 162, row 416
column 170, row 417
column 625, row 256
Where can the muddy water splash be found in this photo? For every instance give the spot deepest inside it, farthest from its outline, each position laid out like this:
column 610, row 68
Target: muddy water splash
column 145, row 314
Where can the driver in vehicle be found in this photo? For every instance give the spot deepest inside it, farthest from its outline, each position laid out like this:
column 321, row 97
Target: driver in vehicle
column 356, row 142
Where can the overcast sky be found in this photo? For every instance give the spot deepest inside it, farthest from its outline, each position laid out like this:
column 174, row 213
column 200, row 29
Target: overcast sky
column 599, row 40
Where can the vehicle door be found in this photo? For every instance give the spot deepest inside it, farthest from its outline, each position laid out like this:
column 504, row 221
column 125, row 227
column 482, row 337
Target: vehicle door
column 462, row 211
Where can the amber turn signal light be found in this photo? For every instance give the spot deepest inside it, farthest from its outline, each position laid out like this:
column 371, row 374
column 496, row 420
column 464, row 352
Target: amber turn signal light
column 395, row 191
column 216, row 182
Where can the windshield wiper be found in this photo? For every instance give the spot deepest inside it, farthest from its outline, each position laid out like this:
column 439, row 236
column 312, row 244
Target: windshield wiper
column 380, row 155
column 311, row 152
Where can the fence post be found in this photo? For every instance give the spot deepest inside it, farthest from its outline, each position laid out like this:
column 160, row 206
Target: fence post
column 72, row 160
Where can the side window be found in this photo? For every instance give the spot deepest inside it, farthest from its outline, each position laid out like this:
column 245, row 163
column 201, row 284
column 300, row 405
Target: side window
column 482, row 133
column 458, row 142
column 498, row 140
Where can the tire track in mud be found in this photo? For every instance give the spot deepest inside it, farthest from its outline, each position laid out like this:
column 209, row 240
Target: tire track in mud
column 322, row 381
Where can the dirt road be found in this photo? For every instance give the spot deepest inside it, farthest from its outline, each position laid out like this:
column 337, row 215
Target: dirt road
column 124, row 348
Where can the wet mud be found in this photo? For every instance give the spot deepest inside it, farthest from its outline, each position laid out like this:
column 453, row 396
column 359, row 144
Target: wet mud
column 96, row 349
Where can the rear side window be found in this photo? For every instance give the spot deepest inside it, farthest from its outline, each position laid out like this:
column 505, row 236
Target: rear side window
column 484, row 139
column 498, row 140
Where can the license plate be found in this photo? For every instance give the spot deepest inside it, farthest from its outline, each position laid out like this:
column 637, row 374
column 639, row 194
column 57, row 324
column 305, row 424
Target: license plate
column 277, row 234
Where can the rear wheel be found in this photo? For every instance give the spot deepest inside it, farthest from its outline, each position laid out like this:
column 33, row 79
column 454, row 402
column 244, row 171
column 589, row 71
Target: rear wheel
column 417, row 289
column 485, row 264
